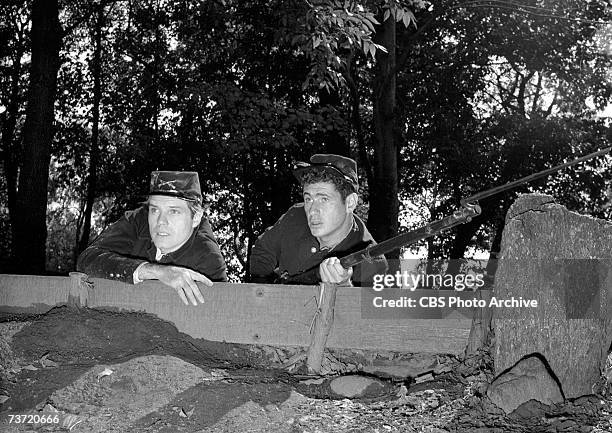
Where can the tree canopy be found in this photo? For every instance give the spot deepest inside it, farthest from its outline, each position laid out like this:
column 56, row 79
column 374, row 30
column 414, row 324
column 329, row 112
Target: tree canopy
column 435, row 101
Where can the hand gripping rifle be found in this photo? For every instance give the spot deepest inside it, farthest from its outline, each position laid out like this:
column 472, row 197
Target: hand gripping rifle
column 468, row 210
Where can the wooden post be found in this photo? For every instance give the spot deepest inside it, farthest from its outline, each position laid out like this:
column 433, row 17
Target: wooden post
column 79, row 289
column 481, row 329
column 322, row 326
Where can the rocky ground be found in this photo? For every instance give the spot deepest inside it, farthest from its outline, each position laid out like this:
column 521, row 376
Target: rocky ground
column 94, row 371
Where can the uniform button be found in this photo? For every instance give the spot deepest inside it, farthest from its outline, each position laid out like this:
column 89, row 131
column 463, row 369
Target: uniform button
column 313, row 250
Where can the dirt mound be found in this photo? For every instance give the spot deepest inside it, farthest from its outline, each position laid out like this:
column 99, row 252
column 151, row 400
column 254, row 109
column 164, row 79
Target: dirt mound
column 105, row 371
column 84, row 336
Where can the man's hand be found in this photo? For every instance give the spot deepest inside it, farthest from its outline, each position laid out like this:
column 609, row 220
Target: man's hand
column 331, row 271
column 180, row 279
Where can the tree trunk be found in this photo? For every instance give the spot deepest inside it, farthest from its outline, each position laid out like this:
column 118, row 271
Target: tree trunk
column 463, row 235
column 30, row 230
column 247, row 219
column 94, row 152
column 12, row 152
column 356, row 121
column 384, row 204
column 334, row 141
column 279, row 187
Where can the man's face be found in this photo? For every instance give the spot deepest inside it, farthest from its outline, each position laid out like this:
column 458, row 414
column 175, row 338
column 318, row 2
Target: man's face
column 170, row 222
column 327, row 213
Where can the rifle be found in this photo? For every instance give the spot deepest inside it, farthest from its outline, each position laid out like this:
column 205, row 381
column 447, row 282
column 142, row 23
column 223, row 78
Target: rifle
column 468, row 210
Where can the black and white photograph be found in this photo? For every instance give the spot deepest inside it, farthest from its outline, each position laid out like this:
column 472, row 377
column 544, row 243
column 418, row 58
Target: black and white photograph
column 306, row 216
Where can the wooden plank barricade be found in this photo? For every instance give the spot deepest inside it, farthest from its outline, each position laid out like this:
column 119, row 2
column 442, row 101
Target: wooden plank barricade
column 277, row 315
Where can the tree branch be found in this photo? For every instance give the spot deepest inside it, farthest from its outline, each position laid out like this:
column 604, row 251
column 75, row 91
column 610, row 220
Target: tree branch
column 552, row 104
column 526, row 9
column 520, row 98
column 536, row 96
column 407, row 40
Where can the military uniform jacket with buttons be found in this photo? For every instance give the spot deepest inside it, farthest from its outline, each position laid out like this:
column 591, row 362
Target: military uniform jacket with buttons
column 121, row 248
column 289, row 246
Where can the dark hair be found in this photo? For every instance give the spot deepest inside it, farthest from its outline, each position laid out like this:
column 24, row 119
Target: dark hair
column 316, row 174
column 194, row 207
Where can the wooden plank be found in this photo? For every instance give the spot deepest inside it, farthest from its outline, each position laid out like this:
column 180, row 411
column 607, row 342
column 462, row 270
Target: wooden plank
column 237, row 313
column 276, row 315
column 32, row 293
column 350, row 330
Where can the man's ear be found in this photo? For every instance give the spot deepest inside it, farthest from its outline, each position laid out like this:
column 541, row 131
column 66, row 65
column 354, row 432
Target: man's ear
column 351, row 202
column 197, row 219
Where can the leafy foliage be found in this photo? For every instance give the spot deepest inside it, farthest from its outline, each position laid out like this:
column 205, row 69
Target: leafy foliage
column 484, row 91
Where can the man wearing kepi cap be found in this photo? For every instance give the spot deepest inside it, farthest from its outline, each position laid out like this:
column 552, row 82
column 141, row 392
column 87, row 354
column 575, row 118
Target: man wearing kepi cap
column 167, row 239
column 304, row 245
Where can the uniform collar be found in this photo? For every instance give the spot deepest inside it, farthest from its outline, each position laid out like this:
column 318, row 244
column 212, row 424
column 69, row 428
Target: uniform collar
column 352, row 230
column 168, row 257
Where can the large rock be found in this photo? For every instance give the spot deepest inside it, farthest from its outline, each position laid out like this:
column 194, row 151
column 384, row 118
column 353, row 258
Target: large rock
column 355, row 386
column 562, row 260
column 528, row 380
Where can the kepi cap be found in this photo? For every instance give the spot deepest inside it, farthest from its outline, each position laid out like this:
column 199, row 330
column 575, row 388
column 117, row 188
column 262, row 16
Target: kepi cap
column 180, row 184
column 336, row 165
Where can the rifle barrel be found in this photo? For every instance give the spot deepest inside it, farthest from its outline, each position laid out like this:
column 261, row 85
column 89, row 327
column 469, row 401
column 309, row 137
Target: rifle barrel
column 510, row 185
column 461, row 216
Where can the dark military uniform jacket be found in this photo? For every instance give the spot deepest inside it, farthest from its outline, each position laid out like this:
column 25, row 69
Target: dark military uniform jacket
column 126, row 244
column 289, row 247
